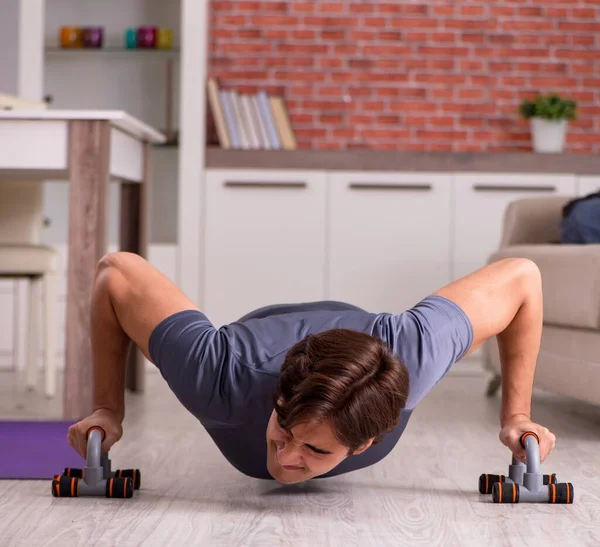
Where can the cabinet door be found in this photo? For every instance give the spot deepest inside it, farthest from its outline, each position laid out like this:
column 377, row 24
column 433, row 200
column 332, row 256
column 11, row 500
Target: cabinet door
column 587, row 185
column 7, row 326
column 389, row 238
column 265, row 240
column 480, row 202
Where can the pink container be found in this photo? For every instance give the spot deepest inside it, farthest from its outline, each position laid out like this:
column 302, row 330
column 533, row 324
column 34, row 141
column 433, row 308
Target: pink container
column 146, row 37
column 93, row 37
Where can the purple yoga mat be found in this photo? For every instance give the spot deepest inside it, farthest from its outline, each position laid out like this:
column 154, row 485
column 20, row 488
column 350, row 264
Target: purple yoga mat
column 35, row 450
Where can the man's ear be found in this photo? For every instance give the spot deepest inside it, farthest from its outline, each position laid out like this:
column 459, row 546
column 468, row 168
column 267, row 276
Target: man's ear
column 362, row 448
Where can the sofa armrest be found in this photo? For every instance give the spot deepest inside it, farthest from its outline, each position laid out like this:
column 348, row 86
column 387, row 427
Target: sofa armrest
column 533, row 220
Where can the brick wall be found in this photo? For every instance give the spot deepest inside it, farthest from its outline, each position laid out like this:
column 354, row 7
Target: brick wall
column 405, row 75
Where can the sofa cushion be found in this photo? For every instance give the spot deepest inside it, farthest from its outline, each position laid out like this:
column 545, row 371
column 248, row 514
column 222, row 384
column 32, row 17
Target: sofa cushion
column 570, row 281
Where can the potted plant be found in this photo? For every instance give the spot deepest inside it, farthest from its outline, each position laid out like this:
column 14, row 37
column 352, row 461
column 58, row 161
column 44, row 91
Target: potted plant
column 549, row 116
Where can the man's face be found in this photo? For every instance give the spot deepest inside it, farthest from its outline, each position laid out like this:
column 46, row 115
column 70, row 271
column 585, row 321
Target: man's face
column 308, row 450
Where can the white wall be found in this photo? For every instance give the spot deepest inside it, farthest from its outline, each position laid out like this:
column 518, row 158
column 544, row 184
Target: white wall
column 9, row 53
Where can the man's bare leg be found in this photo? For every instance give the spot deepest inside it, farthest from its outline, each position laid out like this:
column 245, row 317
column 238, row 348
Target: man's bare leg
column 130, row 298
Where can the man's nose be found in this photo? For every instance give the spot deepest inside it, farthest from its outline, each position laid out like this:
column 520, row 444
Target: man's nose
column 289, row 455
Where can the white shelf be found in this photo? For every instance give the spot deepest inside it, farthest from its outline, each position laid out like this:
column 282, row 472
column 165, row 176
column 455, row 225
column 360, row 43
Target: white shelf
column 140, row 53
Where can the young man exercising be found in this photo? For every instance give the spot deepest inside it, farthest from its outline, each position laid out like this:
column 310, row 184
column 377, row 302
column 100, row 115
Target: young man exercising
column 294, row 392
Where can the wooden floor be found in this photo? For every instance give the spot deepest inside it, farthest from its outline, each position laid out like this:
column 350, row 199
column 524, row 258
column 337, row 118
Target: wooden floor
column 425, row 493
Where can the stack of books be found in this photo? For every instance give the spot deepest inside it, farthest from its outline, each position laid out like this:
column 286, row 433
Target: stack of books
column 250, row 122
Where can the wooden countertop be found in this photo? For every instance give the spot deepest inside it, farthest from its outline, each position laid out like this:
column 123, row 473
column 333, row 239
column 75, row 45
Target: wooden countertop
column 375, row 160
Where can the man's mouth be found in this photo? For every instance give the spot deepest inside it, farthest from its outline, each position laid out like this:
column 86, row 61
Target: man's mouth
column 292, row 467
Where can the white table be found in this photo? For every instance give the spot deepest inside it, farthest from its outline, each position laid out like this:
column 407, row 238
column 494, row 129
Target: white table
column 89, row 149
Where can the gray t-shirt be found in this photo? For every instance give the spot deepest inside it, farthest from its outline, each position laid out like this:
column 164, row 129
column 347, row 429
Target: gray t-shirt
column 226, row 376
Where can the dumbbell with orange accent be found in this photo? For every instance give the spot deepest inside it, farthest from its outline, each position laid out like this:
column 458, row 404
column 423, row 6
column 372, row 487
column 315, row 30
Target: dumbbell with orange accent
column 525, row 483
column 96, row 479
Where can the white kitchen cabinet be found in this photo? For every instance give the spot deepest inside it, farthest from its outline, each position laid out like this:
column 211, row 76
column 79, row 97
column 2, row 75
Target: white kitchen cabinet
column 389, row 238
column 587, row 185
column 7, row 327
column 264, row 240
column 479, row 204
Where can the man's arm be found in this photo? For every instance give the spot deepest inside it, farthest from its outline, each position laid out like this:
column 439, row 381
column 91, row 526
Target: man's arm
column 504, row 299
column 130, row 298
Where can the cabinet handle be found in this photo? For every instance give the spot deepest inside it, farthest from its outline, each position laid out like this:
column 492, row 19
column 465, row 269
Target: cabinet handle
column 512, row 188
column 259, row 184
column 397, row 186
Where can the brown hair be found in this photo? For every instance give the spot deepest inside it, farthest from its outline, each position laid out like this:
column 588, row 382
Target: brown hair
column 348, row 378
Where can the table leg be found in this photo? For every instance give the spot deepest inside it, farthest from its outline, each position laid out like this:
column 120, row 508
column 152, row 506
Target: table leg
column 89, row 156
column 134, row 238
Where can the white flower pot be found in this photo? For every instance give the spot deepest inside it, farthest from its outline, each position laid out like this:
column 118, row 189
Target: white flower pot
column 548, row 135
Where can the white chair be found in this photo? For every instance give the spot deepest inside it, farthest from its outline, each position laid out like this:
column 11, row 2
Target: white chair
column 23, row 256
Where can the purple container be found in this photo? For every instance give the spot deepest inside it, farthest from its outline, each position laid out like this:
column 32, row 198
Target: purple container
column 93, row 37
column 146, row 37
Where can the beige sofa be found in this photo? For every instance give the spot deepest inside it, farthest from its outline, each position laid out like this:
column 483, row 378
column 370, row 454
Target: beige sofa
column 569, row 358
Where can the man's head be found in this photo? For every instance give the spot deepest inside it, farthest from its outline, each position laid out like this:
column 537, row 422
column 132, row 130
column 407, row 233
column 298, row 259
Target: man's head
column 339, row 391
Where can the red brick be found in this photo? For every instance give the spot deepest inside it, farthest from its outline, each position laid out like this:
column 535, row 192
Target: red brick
column 514, row 81
column 471, row 65
column 302, row 61
column 473, row 94
column 579, row 27
column 360, row 119
column 301, row 119
column 412, row 106
column 501, row 38
column 336, row 35
column 298, row 76
column 473, row 11
column 390, row 35
column 501, row 66
column 440, row 64
column 583, row 40
column 302, row 48
column 272, row 20
column 331, row 118
column 361, row 92
column 470, row 122
column 342, row 77
column 311, row 133
column 375, row 22
column 224, row 33
column 327, row 62
column 450, row 51
column 388, row 64
column 345, row 49
column 245, row 47
column 416, row 36
column 441, row 78
column 473, row 38
column 304, row 34
column 440, row 135
column 531, row 12
column 382, row 77
column 441, row 121
column 276, row 34
column 583, row 68
column 387, row 49
column 388, row 120
column 415, row 120
column 244, row 75
column 302, row 7
column 444, row 37
column 413, row 22
column 235, row 20
column 332, row 22
column 221, row 5
column 584, row 13
column 361, row 64
column 301, row 91
column 385, row 133
column 578, row 54
column 469, row 108
column 470, row 24
column 249, row 33
column 557, row 13
column 443, row 10
column 532, row 25
column 443, row 94
column 502, row 11
column 363, row 8
column 333, row 7
column 412, row 9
